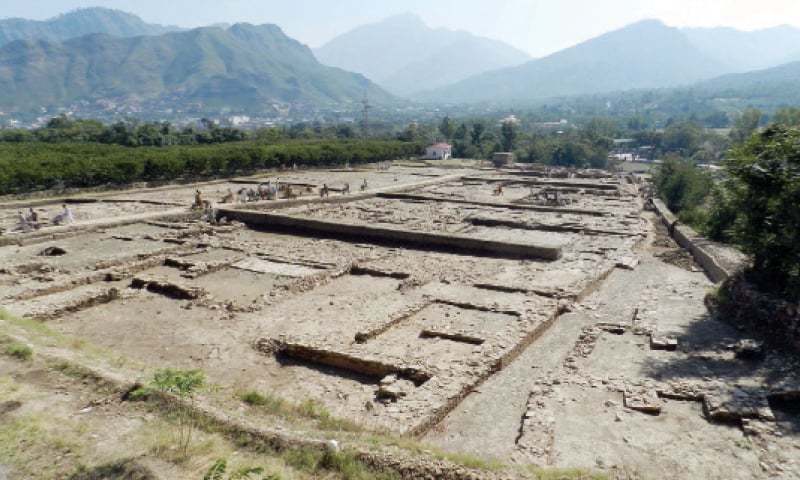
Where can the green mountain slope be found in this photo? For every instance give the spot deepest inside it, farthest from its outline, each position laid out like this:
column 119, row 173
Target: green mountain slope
column 245, row 67
column 77, row 24
column 773, row 86
column 404, row 55
column 647, row 54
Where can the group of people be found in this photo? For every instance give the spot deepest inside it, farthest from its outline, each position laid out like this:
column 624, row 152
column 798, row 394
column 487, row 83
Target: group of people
column 266, row 191
column 31, row 221
column 325, row 190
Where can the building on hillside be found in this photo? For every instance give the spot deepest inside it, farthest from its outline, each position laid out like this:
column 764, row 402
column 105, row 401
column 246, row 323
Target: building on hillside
column 440, row 151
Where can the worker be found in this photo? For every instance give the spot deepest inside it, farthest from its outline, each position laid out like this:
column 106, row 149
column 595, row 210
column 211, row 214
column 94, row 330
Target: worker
column 364, row 185
column 228, row 198
column 33, row 217
column 198, row 200
column 22, row 222
column 65, row 217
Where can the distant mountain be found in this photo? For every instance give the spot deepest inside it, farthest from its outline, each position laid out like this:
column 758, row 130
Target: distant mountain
column 647, row 54
column 745, row 51
column 77, row 24
column 776, row 86
column 244, row 67
column 406, row 56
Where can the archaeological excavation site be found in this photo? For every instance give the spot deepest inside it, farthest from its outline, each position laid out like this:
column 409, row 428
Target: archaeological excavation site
column 432, row 322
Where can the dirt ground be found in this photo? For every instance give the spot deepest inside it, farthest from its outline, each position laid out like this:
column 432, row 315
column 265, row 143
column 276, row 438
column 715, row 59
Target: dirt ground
column 603, row 359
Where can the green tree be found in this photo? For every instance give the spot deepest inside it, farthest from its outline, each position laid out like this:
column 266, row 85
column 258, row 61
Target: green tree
column 461, row 132
column 476, row 135
column 682, row 137
column 789, row 117
column 746, row 125
column 681, row 185
column 508, row 136
column 765, row 191
column 446, row 128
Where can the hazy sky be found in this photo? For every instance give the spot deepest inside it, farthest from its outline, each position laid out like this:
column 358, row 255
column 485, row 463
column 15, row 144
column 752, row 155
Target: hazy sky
column 536, row 26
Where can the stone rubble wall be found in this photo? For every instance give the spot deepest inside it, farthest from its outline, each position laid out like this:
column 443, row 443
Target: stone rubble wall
column 719, row 262
column 449, row 241
column 775, row 320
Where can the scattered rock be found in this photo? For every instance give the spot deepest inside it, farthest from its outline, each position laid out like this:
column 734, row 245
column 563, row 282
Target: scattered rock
column 645, row 401
column 393, row 388
column 52, row 252
column 628, row 263
column 667, row 343
column 749, row 349
column 735, row 404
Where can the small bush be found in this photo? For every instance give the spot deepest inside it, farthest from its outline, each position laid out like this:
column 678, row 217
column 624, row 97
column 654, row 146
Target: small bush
column 682, row 185
column 303, row 459
column 183, row 384
column 19, row 351
column 218, row 471
column 312, row 409
column 271, row 404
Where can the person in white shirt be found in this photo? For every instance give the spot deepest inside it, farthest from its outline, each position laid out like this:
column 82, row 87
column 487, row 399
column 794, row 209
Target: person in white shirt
column 65, row 217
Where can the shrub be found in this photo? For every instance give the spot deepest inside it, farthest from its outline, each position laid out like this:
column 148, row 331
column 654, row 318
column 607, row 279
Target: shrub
column 183, row 384
column 764, row 191
column 681, row 185
column 19, row 351
column 269, row 403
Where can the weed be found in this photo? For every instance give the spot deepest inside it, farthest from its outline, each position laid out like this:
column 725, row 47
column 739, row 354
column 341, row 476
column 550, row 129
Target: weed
column 219, row 469
column 309, row 409
column 20, row 351
column 269, row 403
column 184, row 385
column 303, row 459
column 565, row 474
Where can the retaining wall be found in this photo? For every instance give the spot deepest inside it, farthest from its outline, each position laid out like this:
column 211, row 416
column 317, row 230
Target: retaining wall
column 719, row 262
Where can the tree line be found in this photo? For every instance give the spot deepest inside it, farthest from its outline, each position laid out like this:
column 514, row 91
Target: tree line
column 31, row 166
column 751, row 203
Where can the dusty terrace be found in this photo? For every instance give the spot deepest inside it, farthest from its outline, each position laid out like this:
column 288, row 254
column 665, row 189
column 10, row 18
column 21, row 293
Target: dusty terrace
column 505, row 328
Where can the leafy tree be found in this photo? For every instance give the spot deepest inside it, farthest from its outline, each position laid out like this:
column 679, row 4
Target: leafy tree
column 746, row 125
column 789, row 117
column 765, row 193
column 446, row 128
column 682, row 137
column 681, row 185
column 461, row 132
column 508, row 136
column 476, row 135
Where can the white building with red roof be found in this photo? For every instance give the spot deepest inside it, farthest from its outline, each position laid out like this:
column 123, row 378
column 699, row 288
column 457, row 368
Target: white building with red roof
column 439, row 151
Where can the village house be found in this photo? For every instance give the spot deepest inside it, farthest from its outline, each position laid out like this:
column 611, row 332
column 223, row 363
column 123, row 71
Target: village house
column 439, row 151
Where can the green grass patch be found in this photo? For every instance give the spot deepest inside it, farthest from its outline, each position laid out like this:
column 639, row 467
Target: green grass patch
column 266, row 402
column 309, row 409
column 18, row 350
column 565, row 474
column 345, row 464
